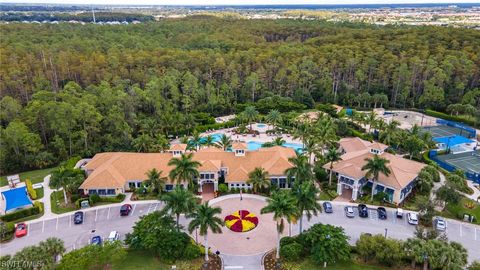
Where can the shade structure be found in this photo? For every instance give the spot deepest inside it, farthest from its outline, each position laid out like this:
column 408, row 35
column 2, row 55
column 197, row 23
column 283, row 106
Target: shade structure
column 452, row 140
column 16, row 198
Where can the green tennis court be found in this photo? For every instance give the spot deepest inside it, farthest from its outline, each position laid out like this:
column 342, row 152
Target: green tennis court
column 445, row 131
column 468, row 162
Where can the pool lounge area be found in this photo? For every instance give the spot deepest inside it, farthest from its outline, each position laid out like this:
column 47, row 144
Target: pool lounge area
column 255, row 145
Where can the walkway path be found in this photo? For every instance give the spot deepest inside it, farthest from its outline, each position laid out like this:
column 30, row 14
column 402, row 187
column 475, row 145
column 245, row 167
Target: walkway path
column 47, row 191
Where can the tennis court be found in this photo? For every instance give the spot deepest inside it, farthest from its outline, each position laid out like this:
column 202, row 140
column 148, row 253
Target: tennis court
column 445, row 131
column 468, row 162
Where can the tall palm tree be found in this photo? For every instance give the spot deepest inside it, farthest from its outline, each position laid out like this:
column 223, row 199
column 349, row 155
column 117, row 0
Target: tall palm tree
column 332, row 156
column 371, row 119
column 205, row 218
column 161, row 143
column 225, row 142
column 274, row 117
column 374, row 167
column 142, row 143
column 259, row 179
column 302, row 132
column 301, row 170
column 179, row 201
column 196, row 140
column 325, row 132
column 283, row 206
column 155, row 180
column 209, row 141
column 52, row 247
column 312, row 149
column 306, row 195
column 390, row 135
column 185, row 169
column 250, row 114
column 278, row 141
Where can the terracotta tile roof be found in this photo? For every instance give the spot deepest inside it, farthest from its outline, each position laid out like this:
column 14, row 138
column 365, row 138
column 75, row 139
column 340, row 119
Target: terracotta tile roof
column 178, row 147
column 239, row 145
column 119, row 167
column 354, row 144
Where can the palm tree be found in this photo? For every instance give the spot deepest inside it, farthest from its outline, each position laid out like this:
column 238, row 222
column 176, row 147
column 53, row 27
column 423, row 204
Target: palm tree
column 325, row 132
column 374, row 167
column 196, row 140
column 283, row 206
column 274, row 117
column 161, row 143
column 179, row 201
column 371, row 119
column 52, row 247
column 185, row 169
column 332, row 156
column 155, row 180
column 142, row 143
column 209, row 141
column 301, row 170
column 259, row 179
column 250, row 114
column 204, row 218
column 306, row 195
column 391, row 133
column 311, row 149
column 302, row 132
column 225, row 142
column 278, row 141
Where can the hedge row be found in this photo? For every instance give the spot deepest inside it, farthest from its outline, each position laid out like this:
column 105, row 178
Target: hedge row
column 215, row 126
column 35, row 210
column 451, row 118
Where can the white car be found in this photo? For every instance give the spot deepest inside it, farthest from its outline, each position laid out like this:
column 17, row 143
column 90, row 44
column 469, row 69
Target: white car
column 412, row 218
column 399, row 213
column 349, row 212
column 113, row 236
column 440, row 224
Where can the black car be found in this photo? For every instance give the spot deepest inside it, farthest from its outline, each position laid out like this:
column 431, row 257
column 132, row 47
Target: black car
column 78, row 217
column 363, row 210
column 327, row 206
column 125, row 210
column 382, row 213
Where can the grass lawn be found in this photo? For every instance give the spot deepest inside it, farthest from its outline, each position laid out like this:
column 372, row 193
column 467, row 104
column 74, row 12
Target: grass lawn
column 143, row 261
column 39, row 192
column 456, row 211
column 60, row 208
column 310, row 265
column 35, row 176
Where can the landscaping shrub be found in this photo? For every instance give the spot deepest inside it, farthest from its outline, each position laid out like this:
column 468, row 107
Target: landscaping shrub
column 192, row 251
column 21, row 214
column 121, row 197
column 74, row 198
column 94, row 198
column 449, row 117
column 30, row 190
column 223, row 188
column 71, row 162
column 291, row 252
column 39, row 205
column 287, row 240
column 6, row 231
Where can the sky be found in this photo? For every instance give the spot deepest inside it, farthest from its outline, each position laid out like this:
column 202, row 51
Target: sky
column 236, row 2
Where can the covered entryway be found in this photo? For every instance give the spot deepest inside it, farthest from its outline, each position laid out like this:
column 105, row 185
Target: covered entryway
column 208, row 191
column 346, row 193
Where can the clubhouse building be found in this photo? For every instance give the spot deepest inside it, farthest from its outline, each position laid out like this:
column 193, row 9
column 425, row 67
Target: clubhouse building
column 351, row 178
column 112, row 173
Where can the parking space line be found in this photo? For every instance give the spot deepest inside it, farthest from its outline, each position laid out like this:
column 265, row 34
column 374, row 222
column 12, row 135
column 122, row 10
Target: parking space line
column 70, row 221
column 96, row 214
column 461, row 234
column 43, row 226
column 475, row 233
column 133, row 210
column 56, row 225
column 108, row 215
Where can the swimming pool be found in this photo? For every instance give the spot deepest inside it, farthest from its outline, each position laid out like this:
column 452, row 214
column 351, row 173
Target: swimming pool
column 261, row 125
column 254, row 145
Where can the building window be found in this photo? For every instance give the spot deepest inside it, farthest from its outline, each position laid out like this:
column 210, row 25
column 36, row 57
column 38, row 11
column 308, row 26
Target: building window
column 283, row 183
column 111, row 191
column 92, row 191
column 238, row 185
column 168, row 187
column 102, row 192
column 274, row 181
column 212, row 176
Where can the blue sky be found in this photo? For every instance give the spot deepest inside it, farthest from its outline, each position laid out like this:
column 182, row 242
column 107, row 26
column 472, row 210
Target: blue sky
column 236, row 2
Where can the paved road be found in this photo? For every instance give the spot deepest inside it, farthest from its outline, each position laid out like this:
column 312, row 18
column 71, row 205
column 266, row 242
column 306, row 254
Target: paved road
column 102, row 221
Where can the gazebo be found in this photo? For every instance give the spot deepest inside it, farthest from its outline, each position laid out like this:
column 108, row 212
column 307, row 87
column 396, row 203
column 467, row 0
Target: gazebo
column 16, row 198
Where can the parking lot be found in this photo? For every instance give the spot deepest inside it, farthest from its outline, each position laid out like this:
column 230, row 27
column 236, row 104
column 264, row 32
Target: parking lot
column 105, row 219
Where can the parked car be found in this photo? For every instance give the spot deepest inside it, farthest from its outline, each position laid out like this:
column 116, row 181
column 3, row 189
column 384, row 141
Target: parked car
column 382, row 213
column 412, row 218
column 125, row 210
column 399, row 213
column 78, row 217
column 363, row 210
column 327, row 206
column 440, row 224
column 20, row 229
column 96, row 240
column 349, row 212
column 113, row 236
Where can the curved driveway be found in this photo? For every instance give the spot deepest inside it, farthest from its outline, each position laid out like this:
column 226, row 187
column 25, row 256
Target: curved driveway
column 100, row 221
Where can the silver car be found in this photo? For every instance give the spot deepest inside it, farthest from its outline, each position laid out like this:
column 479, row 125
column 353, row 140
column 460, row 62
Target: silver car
column 440, row 224
column 349, row 212
column 412, row 218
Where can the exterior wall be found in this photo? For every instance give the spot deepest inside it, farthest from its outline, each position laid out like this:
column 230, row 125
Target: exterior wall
column 101, row 191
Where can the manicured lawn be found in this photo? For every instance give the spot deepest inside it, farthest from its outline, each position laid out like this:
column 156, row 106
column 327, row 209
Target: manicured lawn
column 35, row 176
column 57, row 203
column 39, row 192
column 143, row 261
column 457, row 210
column 309, row 265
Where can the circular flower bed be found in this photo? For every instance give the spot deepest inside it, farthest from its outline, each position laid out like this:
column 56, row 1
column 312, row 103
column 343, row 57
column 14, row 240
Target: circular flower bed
column 241, row 221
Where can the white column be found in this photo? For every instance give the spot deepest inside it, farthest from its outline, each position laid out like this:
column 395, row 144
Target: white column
column 355, row 191
column 339, row 188
column 215, row 185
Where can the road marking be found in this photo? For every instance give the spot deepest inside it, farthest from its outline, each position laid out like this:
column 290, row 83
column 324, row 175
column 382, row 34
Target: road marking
column 96, row 214
column 108, row 215
column 233, row 267
column 461, row 234
column 155, row 208
column 56, row 225
column 43, row 226
column 475, row 233
column 133, row 210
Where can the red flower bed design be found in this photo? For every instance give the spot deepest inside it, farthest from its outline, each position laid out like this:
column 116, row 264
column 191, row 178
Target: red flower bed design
column 241, row 221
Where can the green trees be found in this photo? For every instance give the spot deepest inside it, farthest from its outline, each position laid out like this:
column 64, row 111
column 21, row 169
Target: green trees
column 185, row 169
column 250, row 114
column 301, row 170
column 41, row 256
column 225, row 142
column 283, row 206
column 155, row 180
column 67, row 179
column 306, row 196
column 179, row 201
column 384, row 250
column 93, row 256
column 204, row 218
column 258, row 178
column 332, row 156
column 274, row 117
column 157, row 233
column 373, row 168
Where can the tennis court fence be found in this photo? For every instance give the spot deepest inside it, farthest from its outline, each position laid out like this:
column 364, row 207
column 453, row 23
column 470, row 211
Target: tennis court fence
column 471, row 132
column 432, row 154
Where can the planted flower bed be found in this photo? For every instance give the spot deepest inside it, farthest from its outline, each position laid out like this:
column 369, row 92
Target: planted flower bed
column 241, row 221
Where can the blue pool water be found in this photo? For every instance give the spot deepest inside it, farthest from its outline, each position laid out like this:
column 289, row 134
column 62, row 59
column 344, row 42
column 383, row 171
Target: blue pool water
column 253, row 145
column 261, row 125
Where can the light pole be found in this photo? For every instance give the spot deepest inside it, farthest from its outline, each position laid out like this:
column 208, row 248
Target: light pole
column 386, row 232
column 325, row 262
